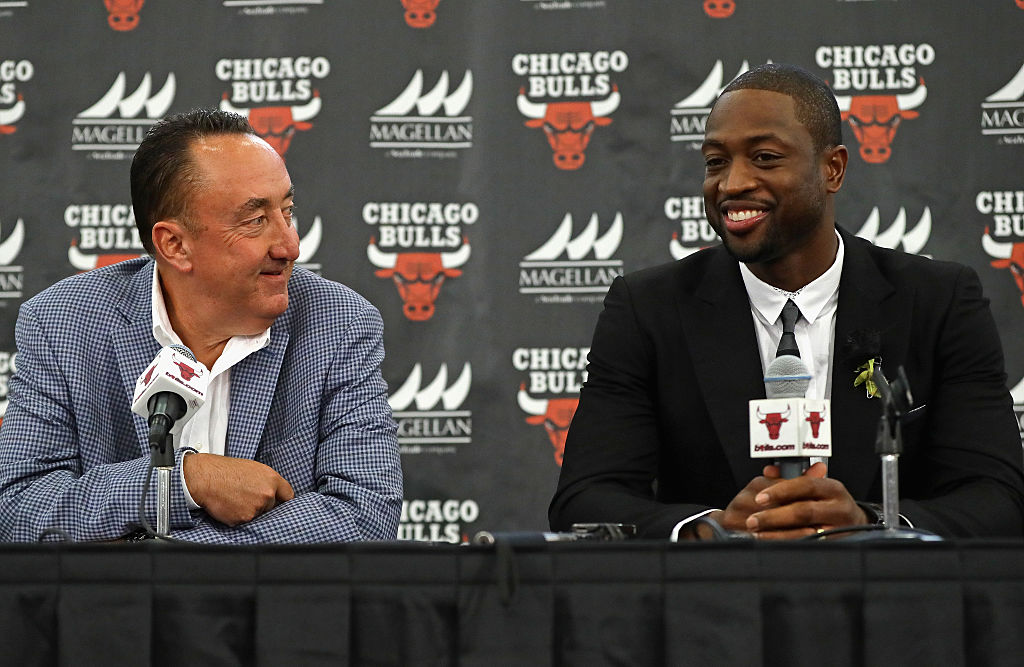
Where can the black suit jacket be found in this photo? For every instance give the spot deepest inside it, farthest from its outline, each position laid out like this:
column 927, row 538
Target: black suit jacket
column 661, row 429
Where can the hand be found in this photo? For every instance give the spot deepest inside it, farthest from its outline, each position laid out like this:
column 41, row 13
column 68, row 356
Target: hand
column 791, row 508
column 734, row 516
column 231, row 490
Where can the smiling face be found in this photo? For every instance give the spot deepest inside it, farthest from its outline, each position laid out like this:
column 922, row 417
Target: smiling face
column 767, row 189
column 243, row 244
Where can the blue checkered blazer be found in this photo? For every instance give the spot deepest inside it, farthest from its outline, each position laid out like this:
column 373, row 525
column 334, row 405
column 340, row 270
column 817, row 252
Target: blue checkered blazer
column 312, row 405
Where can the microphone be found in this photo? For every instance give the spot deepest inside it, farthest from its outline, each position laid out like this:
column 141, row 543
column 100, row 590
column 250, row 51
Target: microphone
column 786, row 426
column 170, row 391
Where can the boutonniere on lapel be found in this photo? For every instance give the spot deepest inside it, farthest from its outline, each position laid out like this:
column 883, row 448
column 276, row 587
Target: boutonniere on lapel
column 866, row 376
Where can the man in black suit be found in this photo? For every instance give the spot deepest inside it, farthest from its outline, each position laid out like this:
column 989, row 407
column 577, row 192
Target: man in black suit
column 661, row 437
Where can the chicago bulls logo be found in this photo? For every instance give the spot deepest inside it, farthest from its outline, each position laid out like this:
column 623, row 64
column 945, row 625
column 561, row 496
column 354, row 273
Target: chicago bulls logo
column 875, row 118
column 8, row 117
column 149, row 375
column 773, row 421
column 1007, row 255
column 719, row 9
column 815, row 419
column 554, row 413
column 277, row 125
column 420, row 13
column 123, row 15
column 187, row 372
column 568, row 125
column 418, row 275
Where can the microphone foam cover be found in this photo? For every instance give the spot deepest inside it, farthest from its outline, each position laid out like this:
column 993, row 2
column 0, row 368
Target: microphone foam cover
column 786, row 377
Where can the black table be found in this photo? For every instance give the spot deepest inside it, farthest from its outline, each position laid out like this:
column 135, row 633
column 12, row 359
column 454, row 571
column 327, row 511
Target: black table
column 581, row 603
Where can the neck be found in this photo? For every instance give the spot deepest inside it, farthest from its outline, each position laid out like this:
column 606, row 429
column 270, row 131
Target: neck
column 803, row 266
column 203, row 338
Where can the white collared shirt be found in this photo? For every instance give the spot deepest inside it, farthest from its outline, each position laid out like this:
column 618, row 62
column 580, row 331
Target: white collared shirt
column 815, row 330
column 207, row 430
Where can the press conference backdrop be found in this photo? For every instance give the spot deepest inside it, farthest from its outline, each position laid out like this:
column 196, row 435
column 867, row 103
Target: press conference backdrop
column 481, row 170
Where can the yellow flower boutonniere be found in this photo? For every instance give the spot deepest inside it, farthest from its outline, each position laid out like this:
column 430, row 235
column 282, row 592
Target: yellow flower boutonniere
column 866, row 376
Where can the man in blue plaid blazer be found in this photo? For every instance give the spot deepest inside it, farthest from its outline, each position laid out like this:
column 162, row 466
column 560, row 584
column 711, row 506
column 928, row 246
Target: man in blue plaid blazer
column 297, row 443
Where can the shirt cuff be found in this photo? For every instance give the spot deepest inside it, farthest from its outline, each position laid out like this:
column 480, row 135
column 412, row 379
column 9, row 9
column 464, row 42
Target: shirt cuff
column 184, row 487
column 674, row 537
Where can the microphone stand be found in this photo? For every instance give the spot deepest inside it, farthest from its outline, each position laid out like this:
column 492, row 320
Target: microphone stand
column 162, row 458
column 896, row 402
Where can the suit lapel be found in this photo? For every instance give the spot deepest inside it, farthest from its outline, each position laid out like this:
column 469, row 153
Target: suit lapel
column 253, row 382
column 719, row 329
column 867, row 301
column 133, row 343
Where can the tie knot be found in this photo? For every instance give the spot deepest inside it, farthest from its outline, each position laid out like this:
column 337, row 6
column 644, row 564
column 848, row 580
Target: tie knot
column 790, row 314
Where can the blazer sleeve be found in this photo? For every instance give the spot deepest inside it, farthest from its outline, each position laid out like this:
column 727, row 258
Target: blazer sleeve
column 965, row 478
column 50, row 477
column 614, row 446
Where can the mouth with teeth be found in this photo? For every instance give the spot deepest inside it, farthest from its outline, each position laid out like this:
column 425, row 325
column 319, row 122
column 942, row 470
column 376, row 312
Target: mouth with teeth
column 740, row 221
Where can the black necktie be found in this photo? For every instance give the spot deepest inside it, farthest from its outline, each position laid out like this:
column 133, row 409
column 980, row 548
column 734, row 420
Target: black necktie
column 787, row 344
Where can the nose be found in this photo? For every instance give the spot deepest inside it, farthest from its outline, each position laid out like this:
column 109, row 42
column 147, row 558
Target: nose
column 737, row 178
column 285, row 245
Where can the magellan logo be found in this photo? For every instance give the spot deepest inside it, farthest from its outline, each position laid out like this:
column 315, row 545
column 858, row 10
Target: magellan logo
column 694, row 232
column 309, row 244
column 430, row 419
column 719, row 9
column 12, row 103
column 1002, row 112
column 690, row 114
column 420, row 13
column 437, row 520
column 912, row 241
column 1003, row 239
column 123, row 15
column 551, row 5
column 12, row 277
column 8, row 366
column 1017, row 393
column 559, row 271
column 271, row 7
column 113, row 127
column 419, row 245
column 883, row 88
column 557, row 373
column 275, row 94
column 568, row 95
column 425, row 124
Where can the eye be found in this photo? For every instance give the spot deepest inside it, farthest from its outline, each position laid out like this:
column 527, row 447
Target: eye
column 713, row 161
column 766, row 158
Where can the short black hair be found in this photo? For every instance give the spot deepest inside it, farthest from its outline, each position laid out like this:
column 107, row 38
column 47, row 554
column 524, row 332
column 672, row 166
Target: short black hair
column 816, row 106
column 163, row 175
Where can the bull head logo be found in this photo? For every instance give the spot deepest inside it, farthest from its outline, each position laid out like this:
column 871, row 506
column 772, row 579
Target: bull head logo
column 815, row 419
column 123, row 15
column 420, row 13
column 277, row 125
column 773, row 421
column 568, row 125
column 85, row 262
column 1007, row 255
column 8, row 117
column 719, row 9
column 187, row 372
column 555, row 414
column 418, row 275
column 874, row 119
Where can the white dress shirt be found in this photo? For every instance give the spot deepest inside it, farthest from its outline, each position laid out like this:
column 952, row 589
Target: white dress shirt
column 207, row 430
